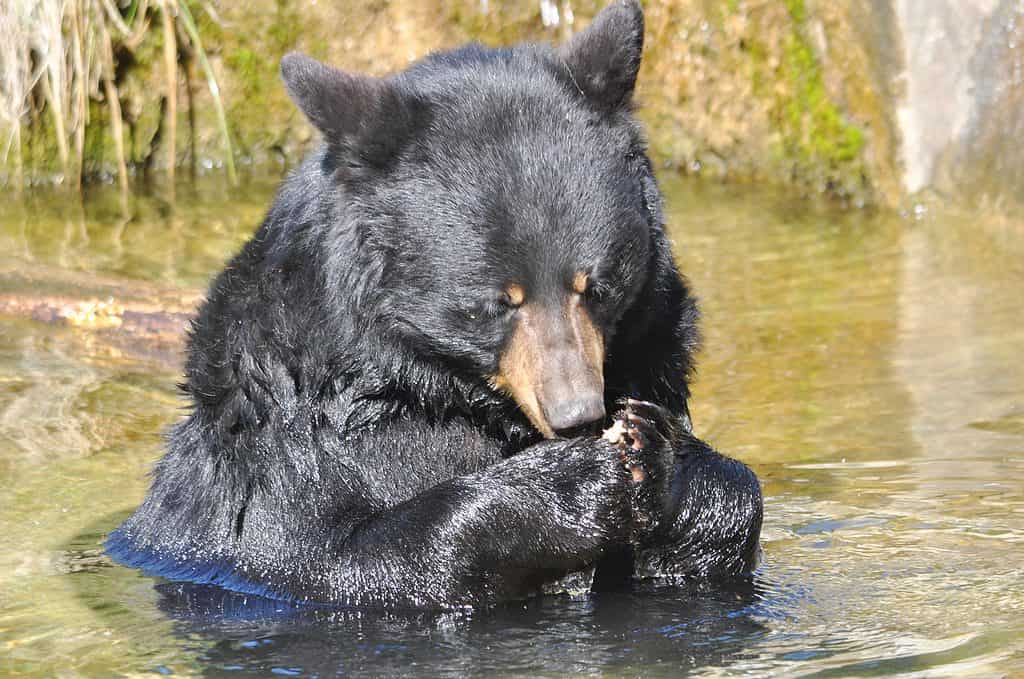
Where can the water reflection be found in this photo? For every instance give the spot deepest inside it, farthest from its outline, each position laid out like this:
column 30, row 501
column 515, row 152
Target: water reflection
column 867, row 367
column 556, row 635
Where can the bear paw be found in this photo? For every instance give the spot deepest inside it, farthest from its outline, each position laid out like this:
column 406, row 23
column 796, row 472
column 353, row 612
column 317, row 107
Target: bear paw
column 643, row 434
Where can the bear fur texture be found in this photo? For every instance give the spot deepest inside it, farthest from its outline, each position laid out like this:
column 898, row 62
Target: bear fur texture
column 397, row 386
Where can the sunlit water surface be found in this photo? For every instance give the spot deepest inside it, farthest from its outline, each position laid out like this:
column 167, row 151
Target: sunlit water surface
column 868, row 367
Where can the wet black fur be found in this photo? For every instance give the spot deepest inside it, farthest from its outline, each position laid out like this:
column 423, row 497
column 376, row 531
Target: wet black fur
column 343, row 443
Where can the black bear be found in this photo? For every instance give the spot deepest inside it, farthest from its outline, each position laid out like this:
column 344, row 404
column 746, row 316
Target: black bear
column 398, row 385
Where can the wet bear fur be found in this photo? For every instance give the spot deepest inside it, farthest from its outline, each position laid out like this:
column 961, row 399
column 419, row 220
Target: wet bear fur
column 373, row 379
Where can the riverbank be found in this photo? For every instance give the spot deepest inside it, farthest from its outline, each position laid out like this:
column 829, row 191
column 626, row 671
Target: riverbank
column 849, row 99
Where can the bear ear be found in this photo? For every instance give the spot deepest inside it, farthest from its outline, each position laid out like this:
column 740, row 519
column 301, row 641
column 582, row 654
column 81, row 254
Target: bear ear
column 604, row 58
column 360, row 116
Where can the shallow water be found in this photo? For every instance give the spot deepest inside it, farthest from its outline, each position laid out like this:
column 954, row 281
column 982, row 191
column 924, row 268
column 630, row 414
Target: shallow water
column 867, row 366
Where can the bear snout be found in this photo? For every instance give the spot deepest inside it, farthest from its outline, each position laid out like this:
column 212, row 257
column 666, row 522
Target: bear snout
column 571, row 416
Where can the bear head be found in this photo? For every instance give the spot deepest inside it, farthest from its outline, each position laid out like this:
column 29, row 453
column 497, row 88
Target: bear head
column 508, row 202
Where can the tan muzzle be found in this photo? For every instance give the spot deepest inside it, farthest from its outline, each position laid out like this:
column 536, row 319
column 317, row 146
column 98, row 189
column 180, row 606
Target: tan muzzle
column 553, row 366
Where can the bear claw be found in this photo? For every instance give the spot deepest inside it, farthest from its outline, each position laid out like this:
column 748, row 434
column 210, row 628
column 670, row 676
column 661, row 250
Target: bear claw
column 636, row 428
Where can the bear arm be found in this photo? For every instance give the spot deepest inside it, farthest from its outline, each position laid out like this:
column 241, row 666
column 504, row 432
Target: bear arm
column 500, row 533
column 715, row 532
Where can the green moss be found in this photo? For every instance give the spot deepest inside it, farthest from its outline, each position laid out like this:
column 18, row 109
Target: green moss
column 97, row 138
column 40, row 153
column 251, row 54
column 797, row 11
column 318, row 48
column 814, row 130
column 249, row 67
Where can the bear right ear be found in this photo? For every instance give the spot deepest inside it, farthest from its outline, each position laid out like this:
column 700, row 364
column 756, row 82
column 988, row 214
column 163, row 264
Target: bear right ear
column 604, row 59
column 360, row 116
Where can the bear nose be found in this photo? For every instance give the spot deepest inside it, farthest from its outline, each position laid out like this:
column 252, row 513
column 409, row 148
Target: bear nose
column 571, row 414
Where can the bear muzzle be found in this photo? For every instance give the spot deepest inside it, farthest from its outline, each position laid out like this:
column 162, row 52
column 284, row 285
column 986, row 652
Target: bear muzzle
column 553, row 367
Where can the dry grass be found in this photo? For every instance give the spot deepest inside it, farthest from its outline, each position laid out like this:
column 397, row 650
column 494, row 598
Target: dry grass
column 58, row 55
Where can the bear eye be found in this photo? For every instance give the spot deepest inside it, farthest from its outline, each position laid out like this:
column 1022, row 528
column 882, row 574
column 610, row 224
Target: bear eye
column 596, row 292
column 498, row 306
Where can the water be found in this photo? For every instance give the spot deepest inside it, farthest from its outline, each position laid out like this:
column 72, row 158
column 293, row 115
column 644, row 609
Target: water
column 866, row 365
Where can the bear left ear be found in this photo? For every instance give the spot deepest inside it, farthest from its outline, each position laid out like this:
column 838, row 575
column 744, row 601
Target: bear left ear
column 604, row 58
